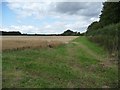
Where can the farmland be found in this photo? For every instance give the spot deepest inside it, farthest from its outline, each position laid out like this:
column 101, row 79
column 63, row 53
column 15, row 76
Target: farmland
column 22, row 42
column 70, row 62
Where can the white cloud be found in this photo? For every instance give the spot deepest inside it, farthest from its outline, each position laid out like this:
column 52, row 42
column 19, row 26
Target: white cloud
column 55, row 9
column 22, row 29
column 77, row 21
column 25, row 9
column 57, row 0
column 49, row 28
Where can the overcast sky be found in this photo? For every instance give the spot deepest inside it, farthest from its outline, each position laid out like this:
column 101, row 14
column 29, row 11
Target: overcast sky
column 48, row 17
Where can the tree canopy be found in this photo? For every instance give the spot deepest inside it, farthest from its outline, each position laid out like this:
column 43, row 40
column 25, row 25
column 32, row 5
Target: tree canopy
column 70, row 33
column 110, row 15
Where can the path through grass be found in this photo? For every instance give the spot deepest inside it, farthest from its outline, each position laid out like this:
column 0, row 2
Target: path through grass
column 77, row 64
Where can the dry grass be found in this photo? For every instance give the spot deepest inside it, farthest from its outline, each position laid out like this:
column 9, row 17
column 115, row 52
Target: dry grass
column 22, row 42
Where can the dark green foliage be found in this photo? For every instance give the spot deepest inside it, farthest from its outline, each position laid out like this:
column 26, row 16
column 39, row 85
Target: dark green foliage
column 107, row 36
column 10, row 33
column 106, row 31
column 95, row 25
column 110, row 13
column 70, row 33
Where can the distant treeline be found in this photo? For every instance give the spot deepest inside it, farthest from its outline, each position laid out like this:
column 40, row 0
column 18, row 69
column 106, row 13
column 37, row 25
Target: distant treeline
column 10, row 33
column 105, row 32
column 17, row 33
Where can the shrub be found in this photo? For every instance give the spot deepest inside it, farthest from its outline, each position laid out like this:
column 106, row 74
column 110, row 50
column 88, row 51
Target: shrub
column 107, row 37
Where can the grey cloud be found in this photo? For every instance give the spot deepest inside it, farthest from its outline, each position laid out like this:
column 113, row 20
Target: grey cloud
column 79, row 8
column 69, row 7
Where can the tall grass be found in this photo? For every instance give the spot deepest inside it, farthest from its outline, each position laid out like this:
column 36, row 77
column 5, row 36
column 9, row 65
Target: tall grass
column 106, row 37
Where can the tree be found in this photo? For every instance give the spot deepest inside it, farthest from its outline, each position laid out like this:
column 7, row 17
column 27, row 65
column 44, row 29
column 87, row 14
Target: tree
column 93, row 26
column 110, row 13
column 70, row 33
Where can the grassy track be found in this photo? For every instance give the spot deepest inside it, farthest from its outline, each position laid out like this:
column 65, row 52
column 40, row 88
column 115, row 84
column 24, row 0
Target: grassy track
column 80, row 63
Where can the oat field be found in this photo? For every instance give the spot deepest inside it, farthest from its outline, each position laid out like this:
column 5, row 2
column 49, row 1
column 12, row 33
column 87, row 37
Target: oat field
column 22, row 42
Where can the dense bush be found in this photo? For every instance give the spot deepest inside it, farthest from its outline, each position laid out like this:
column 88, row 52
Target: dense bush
column 107, row 37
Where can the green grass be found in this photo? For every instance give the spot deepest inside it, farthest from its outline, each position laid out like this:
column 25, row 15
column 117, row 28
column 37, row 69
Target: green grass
column 71, row 65
column 94, row 47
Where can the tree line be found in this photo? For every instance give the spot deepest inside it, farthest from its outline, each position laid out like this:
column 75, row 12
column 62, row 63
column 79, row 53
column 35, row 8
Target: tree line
column 106, row 31
column 110, row 15
column 17, row 33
